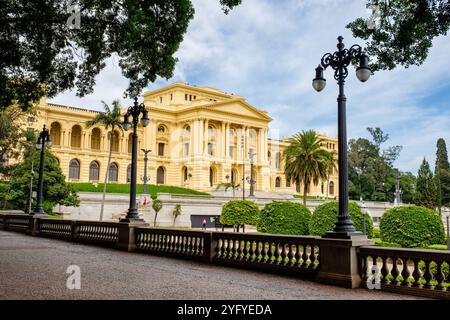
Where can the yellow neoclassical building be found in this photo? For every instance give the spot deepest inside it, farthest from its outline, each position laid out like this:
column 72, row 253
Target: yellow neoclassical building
column 199, row 137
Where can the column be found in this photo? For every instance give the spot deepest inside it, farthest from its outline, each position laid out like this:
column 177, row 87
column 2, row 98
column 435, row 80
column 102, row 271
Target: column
column 205, row 137
column 260, row 147
column 227, row 140
column 222, row 140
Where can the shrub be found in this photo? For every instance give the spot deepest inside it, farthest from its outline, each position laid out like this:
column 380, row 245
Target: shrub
column 376, row 233
column 412, row 226
column 237, row 212
column 325, row 217
column 433, row 268
column 284, row 217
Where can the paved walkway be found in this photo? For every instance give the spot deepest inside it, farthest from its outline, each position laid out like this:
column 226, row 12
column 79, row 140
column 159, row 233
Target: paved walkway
column 35, row 268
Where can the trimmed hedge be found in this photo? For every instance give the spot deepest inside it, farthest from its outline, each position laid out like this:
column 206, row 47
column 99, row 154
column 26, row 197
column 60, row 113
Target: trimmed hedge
column 284, row 217
column 325, row 217
column 237, row 212
column 412, row 226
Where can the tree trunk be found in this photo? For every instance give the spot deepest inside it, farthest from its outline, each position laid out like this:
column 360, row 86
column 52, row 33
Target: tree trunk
column 154, row 221
column 106, row 175
column 305, row 193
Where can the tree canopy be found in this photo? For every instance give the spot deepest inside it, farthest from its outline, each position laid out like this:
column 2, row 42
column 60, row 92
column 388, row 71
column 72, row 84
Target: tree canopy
column 401, row 32
column 426, row 191
column 51, row 46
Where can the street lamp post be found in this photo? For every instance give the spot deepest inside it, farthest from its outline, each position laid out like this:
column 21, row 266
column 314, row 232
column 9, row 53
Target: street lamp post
column 134, row 111
column 251, row 180
column 339, row 61
column 145, row 178
column 31, row 187
column 43, row 140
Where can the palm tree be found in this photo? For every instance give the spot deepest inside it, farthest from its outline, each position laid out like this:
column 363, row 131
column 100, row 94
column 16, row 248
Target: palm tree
column 305, row 160
column 109, row 119
column 227, row 185
column 332, row 165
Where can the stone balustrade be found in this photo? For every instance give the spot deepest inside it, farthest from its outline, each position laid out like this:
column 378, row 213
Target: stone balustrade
column 410, row 271
column 350, row 262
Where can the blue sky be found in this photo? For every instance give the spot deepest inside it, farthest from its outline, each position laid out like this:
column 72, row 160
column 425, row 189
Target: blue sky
column 267, row 50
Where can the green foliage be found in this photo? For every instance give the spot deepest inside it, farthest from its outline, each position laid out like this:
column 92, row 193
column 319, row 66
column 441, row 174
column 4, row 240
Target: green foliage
column 56, row 190
column 433, row 268
column 237, row 212
column 176, row 212
column 371, row 172
column 426, row 191
column 152, row 189
column 305, row 160
column 405, row 31
column 442, row 174
column 376, row 233
column 284, row 217
column 325, row 217
column 412, row 226
column 47, row 54
column 157, row 206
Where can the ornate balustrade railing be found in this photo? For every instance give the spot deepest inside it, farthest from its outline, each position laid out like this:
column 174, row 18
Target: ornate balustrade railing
column 410, row 271
column 349, row 262
column 193, row 245
column 289, row 254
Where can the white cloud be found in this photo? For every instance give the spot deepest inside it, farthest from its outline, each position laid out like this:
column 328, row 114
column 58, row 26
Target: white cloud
column 267, row 50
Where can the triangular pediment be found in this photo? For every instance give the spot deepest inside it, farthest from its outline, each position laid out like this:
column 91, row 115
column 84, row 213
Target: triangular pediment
column 239, row 107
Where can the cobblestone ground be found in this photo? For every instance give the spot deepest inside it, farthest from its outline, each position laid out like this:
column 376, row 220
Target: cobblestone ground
column 35, row 268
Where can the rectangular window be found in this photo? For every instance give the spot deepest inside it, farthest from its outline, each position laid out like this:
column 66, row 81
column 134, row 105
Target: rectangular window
column 186, row 149
column 171, row 96
column 160, row 99
column 190, row 97
column 231, row 152
column 186, row 96
column 160, row 149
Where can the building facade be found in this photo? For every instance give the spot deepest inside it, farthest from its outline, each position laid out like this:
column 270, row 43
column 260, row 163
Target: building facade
column 199, row 137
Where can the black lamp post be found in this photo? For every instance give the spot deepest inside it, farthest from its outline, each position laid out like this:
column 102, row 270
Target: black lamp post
column 43, row 140
column 145, row 178
column 339, row 61
column 134, row 111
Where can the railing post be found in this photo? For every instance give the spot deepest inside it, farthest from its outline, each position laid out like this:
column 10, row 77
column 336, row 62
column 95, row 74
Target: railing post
column 127, row 235
column 75, row 230
column 33, row 226
column 339, row 264
column 209, row 247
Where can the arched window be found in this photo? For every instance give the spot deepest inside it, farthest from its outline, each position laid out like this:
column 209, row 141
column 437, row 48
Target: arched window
column 277, row 182
column 160, row 175
column 210, row 148
column 95, row 139
column 55, row 133
column 331, row 187
column 210, row 131
column 162, row 129
column 113, row 172
column 269, row 156
column 115, row 144
column 130, row 142
column 129, row 173
column 75, row 139
column 74, row 169
column 187, row 129
column 94, row 171
column 211, row 176
column 185, row 174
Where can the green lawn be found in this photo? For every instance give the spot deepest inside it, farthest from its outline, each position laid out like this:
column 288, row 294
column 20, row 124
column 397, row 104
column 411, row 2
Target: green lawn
column 299, row 196
column 380, row 243
column 125, row 188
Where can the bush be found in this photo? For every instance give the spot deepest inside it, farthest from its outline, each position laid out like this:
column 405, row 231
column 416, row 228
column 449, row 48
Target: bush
column 412, row 226
column 376, row 233
column 237, row 212
column 325, row 217
column 284, row 217
column 433, row 268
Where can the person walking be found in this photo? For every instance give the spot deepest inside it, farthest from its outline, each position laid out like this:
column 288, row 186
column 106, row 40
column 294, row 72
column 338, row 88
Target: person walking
column 204, row 224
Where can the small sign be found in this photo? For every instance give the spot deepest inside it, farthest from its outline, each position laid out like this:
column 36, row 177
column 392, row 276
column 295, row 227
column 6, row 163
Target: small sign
column 34, row 194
